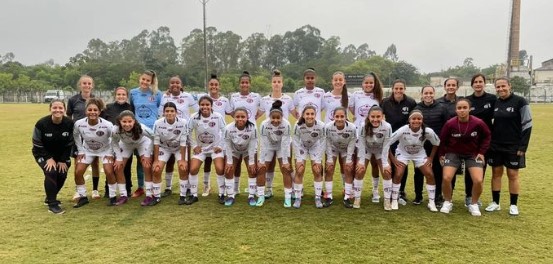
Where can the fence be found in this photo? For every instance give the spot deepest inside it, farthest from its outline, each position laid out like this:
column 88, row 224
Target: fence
column 38, row 96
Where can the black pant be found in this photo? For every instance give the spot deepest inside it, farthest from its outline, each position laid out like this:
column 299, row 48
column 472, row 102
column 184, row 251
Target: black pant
column 53, row 182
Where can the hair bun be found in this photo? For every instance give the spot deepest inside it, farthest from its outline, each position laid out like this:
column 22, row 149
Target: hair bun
column 276, row 72
column 213, row 76
column 277, row 104
column 246, row 73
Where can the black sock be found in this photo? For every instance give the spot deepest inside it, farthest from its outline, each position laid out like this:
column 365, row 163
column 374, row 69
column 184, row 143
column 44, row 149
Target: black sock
column 495, row 196
column 95, row 182
column 514, row 199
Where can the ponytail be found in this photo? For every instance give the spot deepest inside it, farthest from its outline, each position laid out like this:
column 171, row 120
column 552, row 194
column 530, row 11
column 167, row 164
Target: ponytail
column 153, row 85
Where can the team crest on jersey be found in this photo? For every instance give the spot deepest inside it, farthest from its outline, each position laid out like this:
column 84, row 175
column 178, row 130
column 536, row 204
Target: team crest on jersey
column 405, row 110
column 278, row 133
column 249, row 100
column 161, row 153
column 176, row 132
column 345, row 135
column 218, row 103
column 65, row 134
column 211, row 124
column 302, row 152
column 488, row 105
column 474, row 134
column 314, row 134
column 510, row 109
column 245, row 137
column 100, row 133
column 151, row 98
column 379, row 135
column 317, row 95
column 180, row 101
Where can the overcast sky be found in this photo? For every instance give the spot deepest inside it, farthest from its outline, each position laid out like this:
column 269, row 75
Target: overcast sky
column 431, row 34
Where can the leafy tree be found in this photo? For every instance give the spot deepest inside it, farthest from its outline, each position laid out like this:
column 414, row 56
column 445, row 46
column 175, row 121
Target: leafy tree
column 391, row 53
column 520, row 85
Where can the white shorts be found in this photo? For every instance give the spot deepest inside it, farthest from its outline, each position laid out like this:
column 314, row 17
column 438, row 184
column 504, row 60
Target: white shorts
column 267, row 155
column 335, row 153
column 302, row 154
column 370, row 152
column 89, row 158
column 165, row 154
column 144, row 148
column 419, row 160
column 204, row 155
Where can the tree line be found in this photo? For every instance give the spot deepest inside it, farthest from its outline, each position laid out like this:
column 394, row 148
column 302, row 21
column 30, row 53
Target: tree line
column 119, row 63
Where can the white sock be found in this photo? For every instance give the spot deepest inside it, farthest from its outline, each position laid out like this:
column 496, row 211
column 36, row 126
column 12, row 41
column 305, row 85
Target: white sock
column 328, row 187
column 431, row 189
column 156, row 189
column 269, row 180
column 297, row 190
column 183, row 184
column 375, row 184
column 221, row 184
column 387, row 186
column 395, row 190
column 112, row 188
column 148, row 187
column 357, row 188
column 318, row 188
column 122, row 189
column 229, row 185
column 252, row 186
column 348, row 187
column 168, row 180
column 207, row 175
column 81, row 189
column 260, row 191
column 193, row 181
column 287, row 193
column 236, row 184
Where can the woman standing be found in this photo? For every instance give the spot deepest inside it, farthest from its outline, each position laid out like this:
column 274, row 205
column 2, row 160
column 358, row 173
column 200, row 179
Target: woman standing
column 52, row 145
column 512, row 126
column 451, row 85
column 464, row 138
column 308, row 95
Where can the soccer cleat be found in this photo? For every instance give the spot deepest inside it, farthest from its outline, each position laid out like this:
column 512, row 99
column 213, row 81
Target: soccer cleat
column 446, row 207
column 55, row 209
column 328, row 202
column 402, row 201
column 166, row 193
column 122, row 200
column 207, row 190
column 268, row 193
column 146, row 201
column 474, row 210
column 387, row 205
column 154, row 201
column 376, row 198
column 297, row 203
column 403, row 196
column 260, row 201
column 96, row 195
column 348, row 203
column 139, row 192
column 417, row 201
column 395, row 205
column 182, row 200
column 191, row 199
column 81, row 202
column 251, row 201
column 432, row 206
column 493, row 207
column 357, row 203
column 229, row 201
column 318, row 202
column 112, row 201
column 513, row 210
column 222, row 199
column 76, row 197
column 287, row 202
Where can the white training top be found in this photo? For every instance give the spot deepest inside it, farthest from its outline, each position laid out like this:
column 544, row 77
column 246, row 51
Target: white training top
column 250, row 102
column 93, row 139
column 312, row 138
column 276, row 138
column 267, row 103
column 240, row 141
column 341, row 140
column 170, row 136
column 374, row 144
column 304, row 97
column 184, row 101
column 220, row 105
column 330, row 103
column 410, row 143
column 126, row 139
column 361, row 103
column 206, row 132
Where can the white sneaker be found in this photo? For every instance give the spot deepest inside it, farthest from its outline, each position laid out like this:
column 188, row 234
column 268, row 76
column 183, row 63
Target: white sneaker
column 96, row 195
column 402, row 201
column 376, row 197
column 387, row 205
column 446, row 207
column 513, row 209
column 474, row 210
column 432, row 206
column 493, row 207
column 395, row 205
column 76, row 197
column 207, row 190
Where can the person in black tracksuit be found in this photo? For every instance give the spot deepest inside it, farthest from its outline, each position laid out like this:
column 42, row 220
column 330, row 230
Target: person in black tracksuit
column 396, row 109
column 52, row 144
column 482, row 106
column 435, row 115
column 111, row 113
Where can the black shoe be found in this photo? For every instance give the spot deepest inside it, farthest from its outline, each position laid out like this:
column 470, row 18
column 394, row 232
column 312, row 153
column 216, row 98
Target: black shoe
column 154, row 201
column 191, row 199
column 166, row 193
column 439, row 201
column 112, row 201
column 106, row 195
column 348, row 203
column 55, row 209
column 417, row 201
column 188, row 192
column 327, row 202
column 221, row 199
column 81, row 202
column 182, row 200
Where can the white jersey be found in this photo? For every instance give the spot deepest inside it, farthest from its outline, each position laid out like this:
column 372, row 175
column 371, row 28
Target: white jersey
column 276, row 138
column 411, row 144
column 183, row 101
column 170, row 136
column 340, row 141
column 240, row 142
column 124, row 140
column 267, row 103
column 361, row 103
column 94, row 139
column 330, row 103
column 206, row 132
column 220, row 105
column 310, row 137
column 250, row 102
column 304, row 97
column 369, row 145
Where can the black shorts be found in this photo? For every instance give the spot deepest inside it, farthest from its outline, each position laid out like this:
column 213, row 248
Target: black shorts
column 508, row 159
column 454, row 160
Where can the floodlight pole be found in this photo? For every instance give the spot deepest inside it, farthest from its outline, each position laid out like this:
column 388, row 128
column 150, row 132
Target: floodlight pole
column 204, row 2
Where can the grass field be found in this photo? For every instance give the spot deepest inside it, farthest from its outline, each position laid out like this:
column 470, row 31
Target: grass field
column 211, row 233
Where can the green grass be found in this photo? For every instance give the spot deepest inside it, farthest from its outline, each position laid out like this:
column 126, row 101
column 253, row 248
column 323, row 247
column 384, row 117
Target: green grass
column 209, row 232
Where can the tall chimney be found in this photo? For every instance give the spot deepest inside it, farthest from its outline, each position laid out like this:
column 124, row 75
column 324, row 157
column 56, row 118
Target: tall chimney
column 514, row 38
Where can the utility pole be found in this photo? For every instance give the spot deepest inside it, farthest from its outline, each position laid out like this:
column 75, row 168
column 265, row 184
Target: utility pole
column 204, row 2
